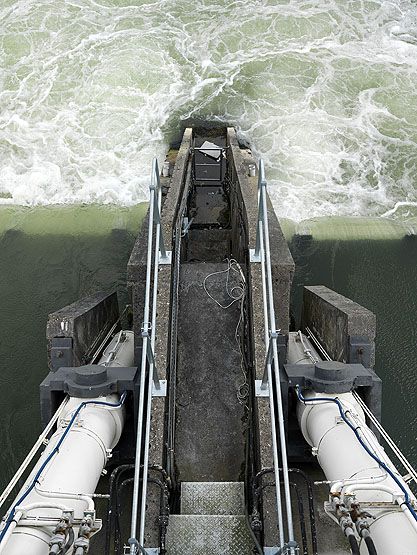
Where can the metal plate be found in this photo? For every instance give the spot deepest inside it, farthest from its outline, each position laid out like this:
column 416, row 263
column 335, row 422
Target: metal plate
column 212, row 498
column 259, row 392
column 208, row 535
column 162, row 391
column 253, row 257
column 167, row 260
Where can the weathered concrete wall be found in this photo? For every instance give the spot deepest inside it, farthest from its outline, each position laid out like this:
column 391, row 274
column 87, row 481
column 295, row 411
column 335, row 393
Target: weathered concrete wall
column 338, row 323
column 281, row 259
column 136, row 274
column 86, row 322
column 136, row 268
column 282, row 274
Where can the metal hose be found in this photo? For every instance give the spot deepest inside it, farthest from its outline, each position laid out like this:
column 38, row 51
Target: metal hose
column 70, row 541
column 353, row 545
column 370, row 545
column 311, row 503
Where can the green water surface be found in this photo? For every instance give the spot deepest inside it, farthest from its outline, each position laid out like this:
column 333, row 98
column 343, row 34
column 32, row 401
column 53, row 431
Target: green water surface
column 49, row 257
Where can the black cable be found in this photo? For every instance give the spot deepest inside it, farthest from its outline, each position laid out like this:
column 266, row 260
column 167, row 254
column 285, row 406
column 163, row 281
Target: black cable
column 370, row 545
column 301, row 517
column 112, row 509
column 312, row 514
column 248, row 484
column 311, row 504
column 253, row 535
column 68, row 542
column 353, row 545
column 300, row 506
column 164, row 511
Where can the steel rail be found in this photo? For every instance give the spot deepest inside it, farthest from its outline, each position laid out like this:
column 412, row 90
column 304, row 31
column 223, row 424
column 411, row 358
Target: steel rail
column 149, row 380
column 268, row 372
column 157, row 191
column 145, row 338
column 263, row 249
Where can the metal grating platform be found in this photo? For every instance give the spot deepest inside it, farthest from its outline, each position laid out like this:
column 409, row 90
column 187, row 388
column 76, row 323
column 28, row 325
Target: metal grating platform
column 208, row 535
column 212, row 498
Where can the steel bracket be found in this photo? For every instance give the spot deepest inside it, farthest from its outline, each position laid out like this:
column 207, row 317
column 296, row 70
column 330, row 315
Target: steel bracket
column 254, row 257
column 162, row 391
column 261, row 391
column 166, row 260
column 61, row 352
column 148, row 550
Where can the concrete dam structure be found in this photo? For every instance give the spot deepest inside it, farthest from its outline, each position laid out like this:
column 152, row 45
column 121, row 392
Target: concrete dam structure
column 201, row 419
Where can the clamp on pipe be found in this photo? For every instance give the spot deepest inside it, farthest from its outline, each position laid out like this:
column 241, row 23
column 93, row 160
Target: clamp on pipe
column 63, row 536
column 87, row 529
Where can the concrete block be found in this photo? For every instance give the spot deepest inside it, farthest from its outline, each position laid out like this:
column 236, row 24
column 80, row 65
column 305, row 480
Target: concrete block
column 86, row 321
column 345, row 329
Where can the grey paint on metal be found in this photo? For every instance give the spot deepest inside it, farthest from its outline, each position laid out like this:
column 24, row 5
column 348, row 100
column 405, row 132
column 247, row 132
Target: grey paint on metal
column 61, row 353
column 361, row 350
column 329, row 376
column 212, row 498
column 85, row 382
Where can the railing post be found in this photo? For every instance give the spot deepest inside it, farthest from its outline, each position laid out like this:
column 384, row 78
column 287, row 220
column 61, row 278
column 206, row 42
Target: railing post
column 164, row 255
column 151, row 359
column 268, row 360
column 255, row 254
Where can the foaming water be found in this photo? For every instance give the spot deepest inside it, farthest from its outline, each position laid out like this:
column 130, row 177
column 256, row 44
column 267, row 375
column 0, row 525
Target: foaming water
column 324, row 90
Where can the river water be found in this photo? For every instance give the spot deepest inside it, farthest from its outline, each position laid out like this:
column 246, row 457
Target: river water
column 324, row 90
column 91, row 90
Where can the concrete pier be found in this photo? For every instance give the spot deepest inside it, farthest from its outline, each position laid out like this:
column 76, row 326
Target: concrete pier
column 345, row 329
column 75, row 331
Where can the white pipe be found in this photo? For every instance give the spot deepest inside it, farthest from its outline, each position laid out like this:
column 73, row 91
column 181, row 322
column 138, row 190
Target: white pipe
column 74, row 469
column 340, row 454
column 65, row 495
column 41, row 505
column 41, row 522
column 337, row 487
column 9, row 532
column 354, row 488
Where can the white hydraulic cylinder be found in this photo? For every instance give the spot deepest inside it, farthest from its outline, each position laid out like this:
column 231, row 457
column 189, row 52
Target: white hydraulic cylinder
column 72, row 475
column 354, row 472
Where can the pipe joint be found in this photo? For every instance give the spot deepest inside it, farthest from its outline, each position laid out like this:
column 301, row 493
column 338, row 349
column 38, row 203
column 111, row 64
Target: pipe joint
column 87, row 529
column 81, row 545
column 362, row 526
column 61, row 532
column 57, row 543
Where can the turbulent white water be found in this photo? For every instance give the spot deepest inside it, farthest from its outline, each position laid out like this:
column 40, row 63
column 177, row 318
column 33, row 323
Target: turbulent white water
column 324, row 90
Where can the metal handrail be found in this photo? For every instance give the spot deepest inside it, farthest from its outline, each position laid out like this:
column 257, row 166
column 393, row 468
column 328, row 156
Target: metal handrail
column 262, row 252
column 160, row 256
